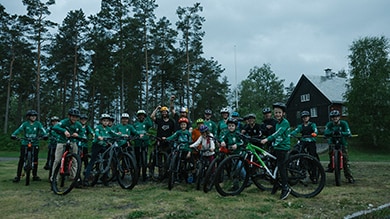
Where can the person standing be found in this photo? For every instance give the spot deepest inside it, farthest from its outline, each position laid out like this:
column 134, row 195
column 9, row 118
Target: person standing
column 30, row 129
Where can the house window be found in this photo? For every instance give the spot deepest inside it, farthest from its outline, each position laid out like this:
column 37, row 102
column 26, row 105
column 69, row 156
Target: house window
column 305, row 97
column 313, row 112
column 344, row 111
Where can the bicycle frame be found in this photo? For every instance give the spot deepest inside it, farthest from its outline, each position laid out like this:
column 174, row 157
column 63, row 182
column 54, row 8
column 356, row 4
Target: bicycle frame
column 255, row 150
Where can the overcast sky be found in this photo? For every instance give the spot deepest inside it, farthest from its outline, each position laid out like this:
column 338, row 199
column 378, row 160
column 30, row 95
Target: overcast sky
column 294, row 36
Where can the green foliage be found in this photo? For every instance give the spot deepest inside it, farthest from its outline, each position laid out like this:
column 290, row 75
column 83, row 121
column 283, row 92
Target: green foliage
column 368, row 95
column 261, row 88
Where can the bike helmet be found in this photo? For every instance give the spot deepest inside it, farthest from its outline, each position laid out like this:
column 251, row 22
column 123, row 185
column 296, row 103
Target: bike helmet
column 83, row 116
column 199, row 121
column 251, row 115
column 235, row 114
column 183, row 119
column 74, row 112
column 164, row 108
column 183, row 110
column 105, row 116
column 125, row 115
column 305, row 113
column 334, row 113
column 54, row 118
column 203, row 128
column 232, row 120
column 208, row 112
column 31, row 113
column 141, row 112
column 266, row 110
column 280, row 106
column 224, row 110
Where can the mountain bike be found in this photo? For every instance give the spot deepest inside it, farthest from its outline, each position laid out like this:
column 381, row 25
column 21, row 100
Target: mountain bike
column 28, row 160
column 117, row 162
column 337, row 158
column 178, row 165
column 233, row 174
column 66, row 174
column 201, row 165
column 158, row 161
column 143, row 158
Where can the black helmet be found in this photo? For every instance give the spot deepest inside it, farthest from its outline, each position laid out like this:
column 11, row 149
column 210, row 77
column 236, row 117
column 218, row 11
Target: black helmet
column 280, row 105
column 305, row 113
column 74, row 112
column 251, row 115
column 266, row 110
column 232, row 120
column 31, row 113
column 334, row 113
column 208, row 111
column 83, row 116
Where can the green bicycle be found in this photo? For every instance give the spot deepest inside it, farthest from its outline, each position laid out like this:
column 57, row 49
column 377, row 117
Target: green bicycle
column 255, row 163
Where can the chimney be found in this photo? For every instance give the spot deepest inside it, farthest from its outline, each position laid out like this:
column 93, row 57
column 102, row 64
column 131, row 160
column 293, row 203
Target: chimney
column 328, row 73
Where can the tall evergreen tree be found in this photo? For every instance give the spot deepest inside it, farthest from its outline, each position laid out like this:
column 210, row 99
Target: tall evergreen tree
column 38, row 32
column 368, row 95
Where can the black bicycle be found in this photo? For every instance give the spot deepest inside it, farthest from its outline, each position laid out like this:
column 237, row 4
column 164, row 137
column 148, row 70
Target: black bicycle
column 28, row 160
column 117, row 163
column 178, row 165
column 202, row 164
column 158, row 161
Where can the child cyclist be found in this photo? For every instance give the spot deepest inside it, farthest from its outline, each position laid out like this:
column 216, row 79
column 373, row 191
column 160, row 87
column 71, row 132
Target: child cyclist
column 53, row 138
column 99, row 144
column 281, row 145
column 337, row 127
column 206, row 142
column 183, row 136
column 30, row 129
column 66, row 128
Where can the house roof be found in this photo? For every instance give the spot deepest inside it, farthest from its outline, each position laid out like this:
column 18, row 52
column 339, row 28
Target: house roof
column 333, row 87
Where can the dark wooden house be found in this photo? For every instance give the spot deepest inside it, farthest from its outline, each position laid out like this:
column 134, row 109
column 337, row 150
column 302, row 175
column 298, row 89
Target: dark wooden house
column 319, row 95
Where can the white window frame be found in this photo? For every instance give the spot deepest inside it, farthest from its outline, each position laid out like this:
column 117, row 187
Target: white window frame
column 313, row 112
column 305, row 98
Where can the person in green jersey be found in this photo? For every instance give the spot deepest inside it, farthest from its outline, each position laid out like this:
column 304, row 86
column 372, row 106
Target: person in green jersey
column 30, row 129
column 281, row 145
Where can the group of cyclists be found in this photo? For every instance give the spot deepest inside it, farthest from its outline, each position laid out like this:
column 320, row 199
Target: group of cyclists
column 207, row 135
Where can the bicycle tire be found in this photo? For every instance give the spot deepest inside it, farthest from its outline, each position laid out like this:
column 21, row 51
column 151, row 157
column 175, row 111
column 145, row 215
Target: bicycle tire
column 63, row 183
column 261, row 179
column 199, row 173
column 302, row 184
column 210, row 174
column 158, row 168
column 29, row 167
column 229, row 180
column 127, row 173
column 337, row 169
column 94, row 174
column 172, row 172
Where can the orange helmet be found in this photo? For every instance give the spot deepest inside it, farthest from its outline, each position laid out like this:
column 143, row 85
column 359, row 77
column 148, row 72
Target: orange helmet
column 164, row 108
column 183, row 119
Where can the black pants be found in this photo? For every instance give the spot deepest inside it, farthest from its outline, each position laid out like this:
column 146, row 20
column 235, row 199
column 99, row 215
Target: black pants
column 281, row 157
column 21, row 160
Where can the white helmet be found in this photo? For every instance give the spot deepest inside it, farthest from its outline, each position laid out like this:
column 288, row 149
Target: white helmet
column 125, row 115
column 141, row 112
column 224, row 110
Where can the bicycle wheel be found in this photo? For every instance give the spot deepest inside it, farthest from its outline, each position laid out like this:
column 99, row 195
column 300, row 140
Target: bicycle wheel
column 200, row 172
column 95, row 173
column 127, row 173
column 231, row 177
column 157, row 165
column 209, row 177
column 63, row 181
column 262, row 179
column 302, row 183
column 337, row 170
column 28, row 167
column 172, row 172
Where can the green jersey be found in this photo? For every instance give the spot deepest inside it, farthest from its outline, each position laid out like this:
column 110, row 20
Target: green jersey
column 32, row 130
column 232, row 138
column 212, row 126
column 222, row 129
column 182, row 137
column 127, row 129
column 281, row 137
column 143, row 128
column 104, row 132
column 67, row 125
column 342, row 127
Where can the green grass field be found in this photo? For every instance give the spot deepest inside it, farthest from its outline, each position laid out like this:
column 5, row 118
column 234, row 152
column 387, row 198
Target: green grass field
column 154, row 200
